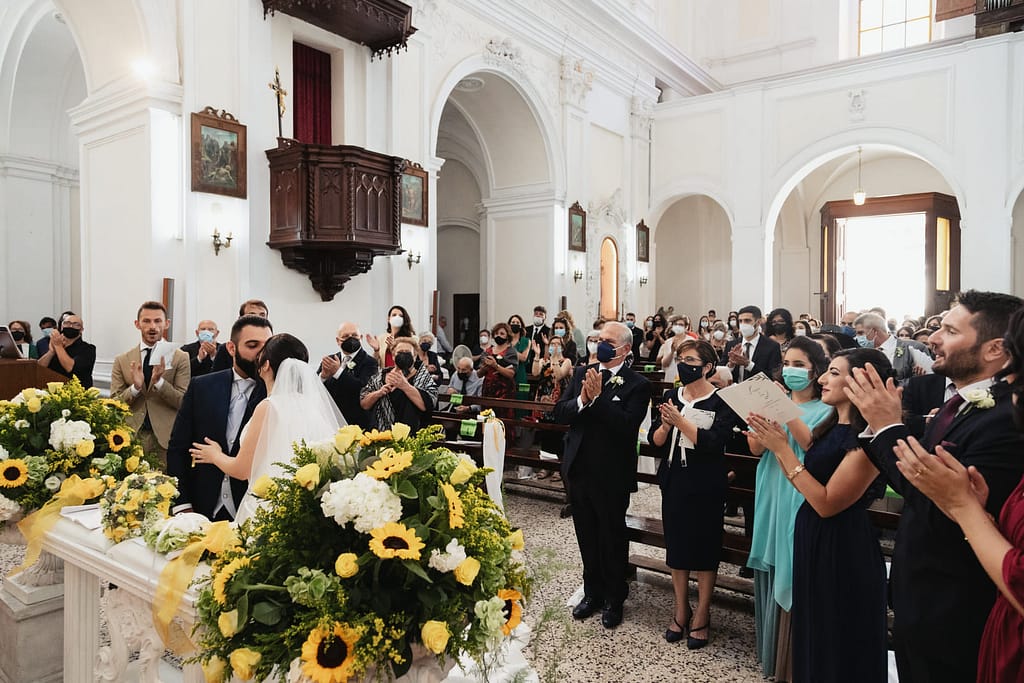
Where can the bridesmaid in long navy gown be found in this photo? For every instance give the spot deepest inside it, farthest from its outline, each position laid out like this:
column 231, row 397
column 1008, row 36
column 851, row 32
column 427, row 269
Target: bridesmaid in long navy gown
column 839, row 628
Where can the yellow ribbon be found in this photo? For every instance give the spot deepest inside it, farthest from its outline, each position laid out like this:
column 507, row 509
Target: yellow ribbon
column 73, row 491
column 176, row 577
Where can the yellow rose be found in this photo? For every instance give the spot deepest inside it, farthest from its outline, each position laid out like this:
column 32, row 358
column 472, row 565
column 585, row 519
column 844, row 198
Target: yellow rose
column 244, row 661
column 214, row 670
column 34, row 405
column 227, row 622
column 346, row 566
column 346, row 436
column 516, row 537
column 54, row 387
column 164, row 507
column 28, row 394
column 167, row 490
column 262, row 487
column 85, row 448
column 132, row 463
column 467, row 570
column 434, row 635
column 399, row 431
column 308, row 476
column 463, row 471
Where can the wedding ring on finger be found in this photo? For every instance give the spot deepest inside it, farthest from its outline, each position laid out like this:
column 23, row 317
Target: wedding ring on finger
column 918, row 473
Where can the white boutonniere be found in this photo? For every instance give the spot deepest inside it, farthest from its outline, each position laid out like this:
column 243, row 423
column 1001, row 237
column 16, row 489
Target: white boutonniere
column 980, row 398
column 615, row 381
column 900, row 351
column 351, row 365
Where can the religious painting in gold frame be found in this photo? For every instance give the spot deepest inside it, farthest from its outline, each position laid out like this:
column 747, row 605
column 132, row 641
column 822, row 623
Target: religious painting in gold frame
column 577, row 228
column 218, row 153
column 415, row 194
column 643, row 242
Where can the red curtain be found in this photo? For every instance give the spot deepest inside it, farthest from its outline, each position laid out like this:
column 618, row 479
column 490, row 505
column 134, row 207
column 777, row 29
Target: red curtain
column 311, row 113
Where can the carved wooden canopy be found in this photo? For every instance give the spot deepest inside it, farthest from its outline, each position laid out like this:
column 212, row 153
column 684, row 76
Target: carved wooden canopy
column 333, row 209
column 381, row 25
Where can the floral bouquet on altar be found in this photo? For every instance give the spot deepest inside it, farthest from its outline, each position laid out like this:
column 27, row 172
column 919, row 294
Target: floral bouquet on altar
column 139, row 502
column 50, row 440
column 377, row 543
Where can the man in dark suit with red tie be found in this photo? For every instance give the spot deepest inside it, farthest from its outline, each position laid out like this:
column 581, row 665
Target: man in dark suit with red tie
column 940, row 594
column 603, row 406
column 218, row 406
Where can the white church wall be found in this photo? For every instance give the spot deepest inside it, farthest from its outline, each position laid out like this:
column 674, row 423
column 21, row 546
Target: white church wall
column 692, row 257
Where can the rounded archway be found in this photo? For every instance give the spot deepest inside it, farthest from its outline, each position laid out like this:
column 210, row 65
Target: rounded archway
column 693, row 256
column 609, row 279
column 498, row 179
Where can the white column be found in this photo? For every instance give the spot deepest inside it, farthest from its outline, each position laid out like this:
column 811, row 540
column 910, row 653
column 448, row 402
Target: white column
column 81, row 624
column 751, row 272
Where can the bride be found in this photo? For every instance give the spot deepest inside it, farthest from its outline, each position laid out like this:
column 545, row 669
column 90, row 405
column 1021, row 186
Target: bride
column 297, row 408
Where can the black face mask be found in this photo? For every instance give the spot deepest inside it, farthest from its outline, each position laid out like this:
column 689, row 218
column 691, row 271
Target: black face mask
column 516, row 328
column 350, row 345
column 779, row 328
column 70, row 332
column 18, row 335
column 464, row 376
column 500, row 340
column 403, row 361
column 246, row 366
column 425, row 346
column 689, row 373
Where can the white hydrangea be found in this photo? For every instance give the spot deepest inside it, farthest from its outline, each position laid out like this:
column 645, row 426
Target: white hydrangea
column 8, row 508
column 67, row 434
column 453, row 555
column 363, row 500
column 52, row 482
column 4, row 453
column 324, row 449
column 21, row 424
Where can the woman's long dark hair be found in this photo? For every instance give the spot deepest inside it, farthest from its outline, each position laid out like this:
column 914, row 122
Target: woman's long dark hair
column 815, row 354
column 280, row 347
column 787, row 318
column 1013, row 342
column 856, row 358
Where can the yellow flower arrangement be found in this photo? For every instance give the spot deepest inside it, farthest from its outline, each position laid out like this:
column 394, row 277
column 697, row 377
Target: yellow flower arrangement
column 118, row 439
column 228, row 623
column 389, row 463
column 347, row 565
column 373, row 436
column 137, row 503
column 516, row 538
column 263, row 486
column 85, row 448
column 33, row 405
column 467, row 570
column 400, row 431
column 395, row 540
column 435, row 635
column 244, row 662
column 214, row 669
column 513, row 610
column 456, row 516
column 346, row 436
column 13, row 473
column 463, row 471
column 308, row 476
column 328, row 655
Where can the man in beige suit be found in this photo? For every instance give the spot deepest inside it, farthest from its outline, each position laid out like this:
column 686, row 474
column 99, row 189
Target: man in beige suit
column 151, row 386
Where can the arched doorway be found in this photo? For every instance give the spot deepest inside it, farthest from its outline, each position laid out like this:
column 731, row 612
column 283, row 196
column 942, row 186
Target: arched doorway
column 693, row 257
column 609, row 279
column 498, row 178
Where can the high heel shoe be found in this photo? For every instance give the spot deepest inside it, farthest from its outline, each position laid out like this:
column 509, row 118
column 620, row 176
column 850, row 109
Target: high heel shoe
column 697, row 643
column 675, row 636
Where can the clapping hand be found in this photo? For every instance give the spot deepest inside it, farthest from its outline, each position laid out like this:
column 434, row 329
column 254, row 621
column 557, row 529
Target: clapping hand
column 941, row 477
column 58, row 340
column 880, row 403
column 737, row 358
column 372, row 341
column 206, row 350
column 536, row 347
column 768, row 432
column 396, row 379
column 670, row 415
column 158, row 372
column 329, row 365
column 591, row 386
column 138, row 379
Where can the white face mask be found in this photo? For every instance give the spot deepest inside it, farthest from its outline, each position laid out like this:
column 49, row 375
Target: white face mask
column 678, row 329
column 719, row 335
column 747, row 330
column 396, row 321
column 538, row 320
column 591, row 347
column 484, row 340
column 800, row 332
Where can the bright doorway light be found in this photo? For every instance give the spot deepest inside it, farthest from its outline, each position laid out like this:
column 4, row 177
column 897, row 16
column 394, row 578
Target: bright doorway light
column 885, row 264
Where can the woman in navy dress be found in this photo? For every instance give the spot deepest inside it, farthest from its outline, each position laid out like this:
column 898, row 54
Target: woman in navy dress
column 839, row 627
column 691, row 427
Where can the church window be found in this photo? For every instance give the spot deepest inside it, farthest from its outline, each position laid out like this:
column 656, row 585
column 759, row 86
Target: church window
column 894, row 24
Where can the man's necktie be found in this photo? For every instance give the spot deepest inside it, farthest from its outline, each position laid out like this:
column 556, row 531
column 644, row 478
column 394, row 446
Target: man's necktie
column 236, row 411
column 746, row 354
column 147, row 376
column 943, row 419
column 606, row 375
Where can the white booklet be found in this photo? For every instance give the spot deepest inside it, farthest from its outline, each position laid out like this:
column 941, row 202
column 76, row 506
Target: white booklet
column 702, row 419
column 762, row 396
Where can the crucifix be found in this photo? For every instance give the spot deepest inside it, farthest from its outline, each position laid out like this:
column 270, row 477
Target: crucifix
column 279, row 94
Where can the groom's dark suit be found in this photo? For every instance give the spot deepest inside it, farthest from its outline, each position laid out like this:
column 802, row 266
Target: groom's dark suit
column 204, row 413
column 939, row 592
column 599, row 465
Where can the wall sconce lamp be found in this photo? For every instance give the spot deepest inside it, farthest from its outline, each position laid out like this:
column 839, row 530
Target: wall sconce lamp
column 413, row 258
column 219, row 243
column 577, row 275
column 859, row 194
column 643, row 280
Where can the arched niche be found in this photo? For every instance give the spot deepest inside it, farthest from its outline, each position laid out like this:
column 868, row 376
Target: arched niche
column 609, row 279
column 692, row 255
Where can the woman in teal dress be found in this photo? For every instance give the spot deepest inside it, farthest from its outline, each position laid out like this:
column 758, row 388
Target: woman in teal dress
column 521, row 343
column 775, row 506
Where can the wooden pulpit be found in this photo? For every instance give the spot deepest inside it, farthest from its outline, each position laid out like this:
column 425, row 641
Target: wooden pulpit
column 22, row 373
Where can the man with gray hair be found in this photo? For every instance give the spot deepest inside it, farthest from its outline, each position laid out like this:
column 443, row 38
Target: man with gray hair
column 873, row 332
column 464, row 382
column 346, row 373
column 604, row 406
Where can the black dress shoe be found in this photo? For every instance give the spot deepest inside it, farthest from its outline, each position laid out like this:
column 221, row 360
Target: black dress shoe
column 611, row 616
column 566, row 511
column 586, row 607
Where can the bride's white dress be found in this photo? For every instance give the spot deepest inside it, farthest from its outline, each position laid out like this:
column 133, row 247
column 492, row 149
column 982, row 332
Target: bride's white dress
column 298, row 408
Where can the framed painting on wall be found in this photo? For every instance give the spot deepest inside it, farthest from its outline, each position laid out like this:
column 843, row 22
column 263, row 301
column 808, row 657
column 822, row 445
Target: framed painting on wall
column 414, row 194
column 643, row 242
column 577, row 228
column 218, row 153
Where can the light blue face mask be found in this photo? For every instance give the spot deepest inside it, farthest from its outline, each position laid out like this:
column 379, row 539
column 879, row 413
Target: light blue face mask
column 863, row 341
column 552, row 349
column 205, row 336
column 559, row 331
column 797, row 379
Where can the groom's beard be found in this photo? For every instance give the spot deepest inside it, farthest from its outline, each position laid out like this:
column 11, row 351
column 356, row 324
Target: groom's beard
column 247, row 366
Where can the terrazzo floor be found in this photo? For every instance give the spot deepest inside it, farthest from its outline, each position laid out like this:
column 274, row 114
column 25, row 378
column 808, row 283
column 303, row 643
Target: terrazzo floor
column 566, row 650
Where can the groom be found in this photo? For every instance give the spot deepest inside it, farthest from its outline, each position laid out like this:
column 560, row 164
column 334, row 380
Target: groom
column 218, row 406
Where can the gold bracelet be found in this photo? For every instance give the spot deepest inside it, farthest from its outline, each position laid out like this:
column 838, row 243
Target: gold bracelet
column 796, row 470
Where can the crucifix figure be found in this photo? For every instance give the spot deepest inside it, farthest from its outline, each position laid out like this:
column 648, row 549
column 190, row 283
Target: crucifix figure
column 279, row 93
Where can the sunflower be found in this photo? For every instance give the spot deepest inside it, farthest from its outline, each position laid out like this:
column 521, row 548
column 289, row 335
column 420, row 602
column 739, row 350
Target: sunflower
column 395, row 540
column 328, row 655
column 220, row 582
column 513, row 611
column 373, row 436
column 390, row 462
column 118, row 439
column 13, row 473
column 456, row 516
